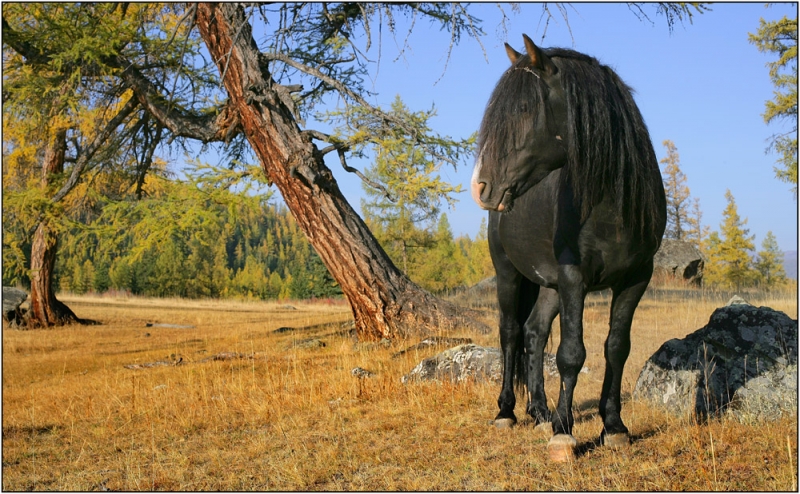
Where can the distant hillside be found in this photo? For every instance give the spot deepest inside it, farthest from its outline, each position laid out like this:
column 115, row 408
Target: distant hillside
column 790, row 263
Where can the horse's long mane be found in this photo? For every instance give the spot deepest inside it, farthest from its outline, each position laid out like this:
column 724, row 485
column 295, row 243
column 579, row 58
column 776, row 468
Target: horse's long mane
column 609, row 154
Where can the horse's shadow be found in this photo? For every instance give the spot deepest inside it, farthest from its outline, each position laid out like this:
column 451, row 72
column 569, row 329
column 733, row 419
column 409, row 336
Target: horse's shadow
column 587, row 411
column 597, row 442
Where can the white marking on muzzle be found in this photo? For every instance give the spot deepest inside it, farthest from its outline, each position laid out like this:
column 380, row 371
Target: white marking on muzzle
column 474, row 187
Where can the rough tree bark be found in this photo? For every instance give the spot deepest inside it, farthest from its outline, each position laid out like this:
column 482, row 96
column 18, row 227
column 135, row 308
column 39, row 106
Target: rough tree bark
column 46, row 310
column 384, row 301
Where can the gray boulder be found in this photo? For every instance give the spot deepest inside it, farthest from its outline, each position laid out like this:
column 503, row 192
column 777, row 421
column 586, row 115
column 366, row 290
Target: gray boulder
column 681, row 260
column 460, row 363
column 306, row 343
column 12, row 299
column 469, row 361
column 737, row 300
column 767, row 396
column 744, row 361
column 433, row 341
column 361, row 373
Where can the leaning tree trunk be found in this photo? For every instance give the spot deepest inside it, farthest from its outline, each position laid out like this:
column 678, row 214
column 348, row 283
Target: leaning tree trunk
column 384, row 301
column 46, row 310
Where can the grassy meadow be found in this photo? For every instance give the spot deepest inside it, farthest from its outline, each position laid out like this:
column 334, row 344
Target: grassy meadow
column 238, row 405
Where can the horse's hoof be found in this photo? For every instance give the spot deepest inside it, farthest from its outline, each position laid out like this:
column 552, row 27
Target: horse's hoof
column 616, row 441
column 504, row 423
column 544, row 427
column 561, row 448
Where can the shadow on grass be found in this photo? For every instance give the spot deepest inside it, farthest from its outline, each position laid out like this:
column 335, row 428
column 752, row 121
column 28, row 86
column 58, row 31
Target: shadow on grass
column 587, row 447
column 14, row 431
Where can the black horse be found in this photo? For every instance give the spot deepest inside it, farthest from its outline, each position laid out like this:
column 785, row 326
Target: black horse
column 566, row 167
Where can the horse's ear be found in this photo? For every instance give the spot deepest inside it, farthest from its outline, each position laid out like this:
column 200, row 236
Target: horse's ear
column 538, row 59
column 513, row 54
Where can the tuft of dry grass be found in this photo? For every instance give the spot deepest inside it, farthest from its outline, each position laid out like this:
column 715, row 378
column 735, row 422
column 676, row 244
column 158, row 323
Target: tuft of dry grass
column 285, row 417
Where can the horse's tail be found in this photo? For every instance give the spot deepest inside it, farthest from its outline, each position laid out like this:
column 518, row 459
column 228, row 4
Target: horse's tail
column 528, row 293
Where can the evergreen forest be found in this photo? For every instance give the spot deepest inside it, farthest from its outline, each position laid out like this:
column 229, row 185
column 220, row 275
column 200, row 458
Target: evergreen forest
column 216, row 233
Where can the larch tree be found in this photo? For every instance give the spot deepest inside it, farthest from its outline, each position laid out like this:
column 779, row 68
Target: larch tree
column 729, row 251
column 770, row 263
column 67, row 97
column 321, row 51
column 780, row 38
column 444, row 265
column 57, row 123
column 696, row 231
column 677, row 193
column 403, row 187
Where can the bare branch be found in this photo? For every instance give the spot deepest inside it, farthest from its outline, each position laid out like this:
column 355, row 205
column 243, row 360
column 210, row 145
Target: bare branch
column 319, row 75
column 366, row 180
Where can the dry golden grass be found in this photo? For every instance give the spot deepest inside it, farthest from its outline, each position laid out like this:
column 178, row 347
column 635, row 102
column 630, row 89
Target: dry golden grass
column 295, row 419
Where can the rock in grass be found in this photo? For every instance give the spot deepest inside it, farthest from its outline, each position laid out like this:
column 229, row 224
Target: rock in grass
column 737, row 300
column 222, row 356
column 744, row 361
column 12, row 299
column 149, row 365
column 681, row 260
column 433, row 341
column 460, row 363
column 307, row 343
column 470, row 361
column 361, row 373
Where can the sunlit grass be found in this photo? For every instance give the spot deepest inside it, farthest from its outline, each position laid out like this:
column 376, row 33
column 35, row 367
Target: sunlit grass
column 296, row 419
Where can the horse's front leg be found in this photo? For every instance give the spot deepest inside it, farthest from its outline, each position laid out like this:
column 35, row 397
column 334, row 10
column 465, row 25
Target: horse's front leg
column 569, row 358
column 508, row 295
column 515, row 302
column 537, row 331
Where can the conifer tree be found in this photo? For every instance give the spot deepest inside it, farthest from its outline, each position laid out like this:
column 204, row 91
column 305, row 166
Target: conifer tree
column 403, row 187
column 677, row 192
column 67, row 97
column 480, row 261
column 729, row 251
column 440, row 266
column 696, row 232
column 780, row 37
column 770, row 263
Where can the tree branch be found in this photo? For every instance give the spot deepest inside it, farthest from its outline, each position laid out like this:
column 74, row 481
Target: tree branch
column 316, row 73
column 90, row 150
column 363, row 177
column 12, row 39
column 341, row 149
column 221, row 125
column 216, row 125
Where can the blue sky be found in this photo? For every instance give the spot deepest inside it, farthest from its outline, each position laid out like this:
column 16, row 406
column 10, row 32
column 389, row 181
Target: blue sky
column 703, row 86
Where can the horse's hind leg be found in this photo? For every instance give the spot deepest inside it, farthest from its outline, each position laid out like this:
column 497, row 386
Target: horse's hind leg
column 537, row 331
column 617, row 348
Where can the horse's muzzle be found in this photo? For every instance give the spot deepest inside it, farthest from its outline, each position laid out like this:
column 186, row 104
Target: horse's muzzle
column 482, row 195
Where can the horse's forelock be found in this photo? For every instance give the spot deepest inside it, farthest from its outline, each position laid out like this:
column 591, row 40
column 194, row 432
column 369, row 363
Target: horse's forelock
column 504, row 122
